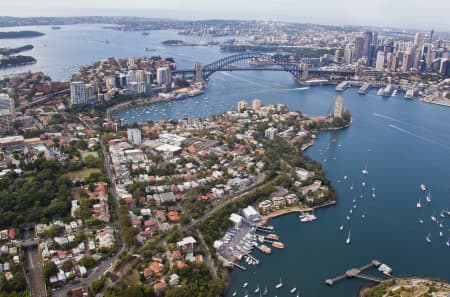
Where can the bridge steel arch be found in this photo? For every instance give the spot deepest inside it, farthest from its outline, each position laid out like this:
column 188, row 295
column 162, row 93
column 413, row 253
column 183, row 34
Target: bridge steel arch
column 221, row 65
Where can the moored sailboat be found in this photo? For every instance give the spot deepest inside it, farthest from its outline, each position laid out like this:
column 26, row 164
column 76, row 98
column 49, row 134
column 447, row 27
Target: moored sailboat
column 347, row 241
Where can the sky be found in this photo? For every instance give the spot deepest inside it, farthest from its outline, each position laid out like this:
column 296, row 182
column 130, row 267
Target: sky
column 415, row 14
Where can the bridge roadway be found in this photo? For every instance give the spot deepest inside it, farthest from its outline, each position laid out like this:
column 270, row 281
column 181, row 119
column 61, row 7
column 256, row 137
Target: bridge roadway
column 43, row 99
column 185, row 72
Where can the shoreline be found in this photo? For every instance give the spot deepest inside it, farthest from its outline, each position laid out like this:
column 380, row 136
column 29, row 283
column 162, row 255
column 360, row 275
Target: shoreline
column 367, row 287
column 295, row 209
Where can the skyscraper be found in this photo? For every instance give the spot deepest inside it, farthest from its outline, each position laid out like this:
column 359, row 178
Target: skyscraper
column 78, row 93
column 359, row 48
column 256, row 104
column 7, row 113
column 418, row 40
column 380, row 61
column 163, row 76
column 368, row 40
column 338, row 107
column 348, row 54
column 134, row 136
column 241, row 105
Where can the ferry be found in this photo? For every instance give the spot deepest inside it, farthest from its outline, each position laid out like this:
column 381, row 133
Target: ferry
column 342, row 86
column 278, row 245
column 365, row 88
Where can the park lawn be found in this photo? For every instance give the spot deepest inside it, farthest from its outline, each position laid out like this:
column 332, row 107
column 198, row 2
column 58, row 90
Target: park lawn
column 84, row 155
column 83, row 173
column 132, row 279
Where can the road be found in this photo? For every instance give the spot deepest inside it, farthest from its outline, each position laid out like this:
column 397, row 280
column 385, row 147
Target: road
column 37, row 284
column 42, row 99
column 100, row 270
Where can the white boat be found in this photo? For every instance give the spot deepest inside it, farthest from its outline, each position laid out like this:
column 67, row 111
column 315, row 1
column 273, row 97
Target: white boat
column 429, row 196
column 363, row 184
column 373, row 195
column 257, row 289
column 348, row 218
column 354, row 200
column 364, row 171
column 363, row 216
column 265, row 291
column 351, row 187
column 245, row 285
column 421, row 221
column 279, row 285
column 427, row 238
column 373, row 188
column 441, row 234
column 354, row 206
column 442, row 214
column 234, row 293
column 423, row 187
column 345, row 177
column 433, row 218
column 293, row 290
column 418, row 204
column 246, row 293
column 441, row 225
column 341, row 228
column 448, row 242
column 347, row 241
column 350, row 211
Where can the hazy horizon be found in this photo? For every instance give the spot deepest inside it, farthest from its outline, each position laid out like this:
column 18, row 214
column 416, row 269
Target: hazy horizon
column 382, row 13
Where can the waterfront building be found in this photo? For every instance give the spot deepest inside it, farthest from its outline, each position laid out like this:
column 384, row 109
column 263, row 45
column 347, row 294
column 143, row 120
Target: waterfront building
column 134, row 136
column 380, row 61
column 242, row 105
column 131, row 77
column 271, row 133
column 338, row 107
column 78, row 93
column 163, row 76
column 256, row 104
column 140, row 76
column 7, row 113
column 445, row 67
column 251, row 214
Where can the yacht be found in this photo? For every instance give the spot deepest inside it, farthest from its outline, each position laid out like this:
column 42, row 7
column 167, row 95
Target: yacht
column 351, row 187
column 279, row 285
column 421, row 221
column 418, row 204
column 265, row 290
column 350, row 211
column 257, row 289
column 245, row 285
column 347, row 241
column 441, row 225
column 246, row 293
column 234, row 293
column 441, row 234
column 429, row 196
column 345, row 177
column 448, row 242
column 433, row 218
column 363, row 184
column 348, row 218
column 341, row 228
column 364, row 171
column 363, row 216
column 374, row 195
column 423, row 187
column 442, row 214
column 293, row 290
column 427, row 238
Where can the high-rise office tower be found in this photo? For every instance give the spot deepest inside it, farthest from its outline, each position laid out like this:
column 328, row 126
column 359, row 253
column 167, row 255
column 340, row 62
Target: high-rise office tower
column 380, row 61
column 338, row 107
column 256, row 104
column 348, row 54
column 368, row 37
column 163, row 76
column 418, row 40
column 242, row 105
column 359, row 48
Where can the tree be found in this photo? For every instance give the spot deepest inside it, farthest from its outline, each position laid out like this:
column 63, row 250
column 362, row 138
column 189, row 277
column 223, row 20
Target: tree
column 49, row 270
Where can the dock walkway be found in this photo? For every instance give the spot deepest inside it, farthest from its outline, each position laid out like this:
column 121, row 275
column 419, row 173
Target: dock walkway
column 357, row 272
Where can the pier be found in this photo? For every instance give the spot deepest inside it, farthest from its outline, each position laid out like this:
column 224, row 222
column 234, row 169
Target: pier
column 239, row 266
column 357, row 272
column 267, row 229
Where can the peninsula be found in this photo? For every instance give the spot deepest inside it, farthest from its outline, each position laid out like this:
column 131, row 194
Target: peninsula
column 6, row 51
column 412, row 286
column 20, row 34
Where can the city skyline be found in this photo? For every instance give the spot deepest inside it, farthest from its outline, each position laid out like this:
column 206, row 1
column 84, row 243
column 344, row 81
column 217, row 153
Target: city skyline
column 347, row 12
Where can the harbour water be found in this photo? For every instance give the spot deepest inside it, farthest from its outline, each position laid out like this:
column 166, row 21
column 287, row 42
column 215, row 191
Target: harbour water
column 403, row 143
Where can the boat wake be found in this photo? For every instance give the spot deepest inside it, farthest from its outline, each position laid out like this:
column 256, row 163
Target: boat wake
column 407, row 132
column 398, row 121
column 298, row 89
column 243, row 79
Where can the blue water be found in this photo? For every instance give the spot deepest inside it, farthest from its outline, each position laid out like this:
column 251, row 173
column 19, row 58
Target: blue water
column 403, row 143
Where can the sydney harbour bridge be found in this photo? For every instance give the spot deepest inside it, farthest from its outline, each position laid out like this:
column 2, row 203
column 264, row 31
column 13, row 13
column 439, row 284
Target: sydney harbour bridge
column 259, row 62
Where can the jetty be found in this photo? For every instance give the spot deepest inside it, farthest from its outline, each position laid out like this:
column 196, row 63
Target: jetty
column 239, row 266
column 357, row 272
column 268, row 229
